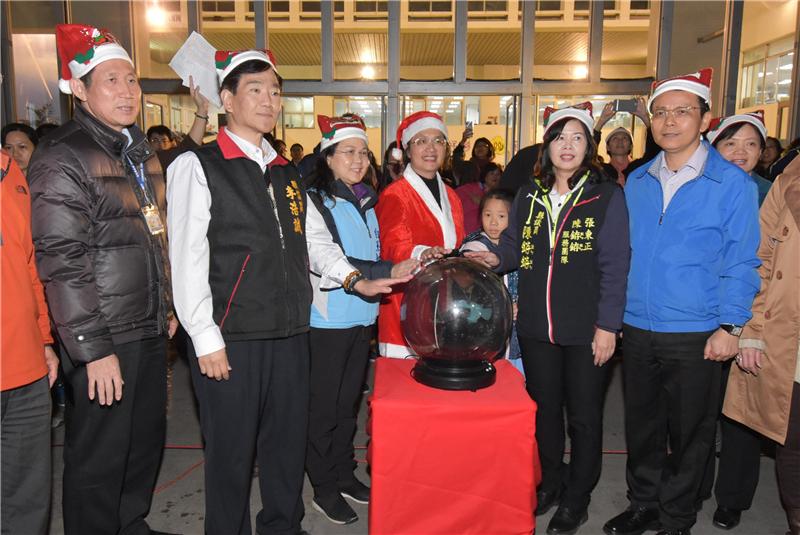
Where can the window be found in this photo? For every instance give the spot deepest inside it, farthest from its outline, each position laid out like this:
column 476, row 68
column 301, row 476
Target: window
column 298, row 112
column 766, row 73
column 368, row 108
column 640, row 4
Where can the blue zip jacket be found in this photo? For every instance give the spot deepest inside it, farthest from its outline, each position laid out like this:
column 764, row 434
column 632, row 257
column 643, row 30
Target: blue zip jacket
column 693, row 266
column 354, row 226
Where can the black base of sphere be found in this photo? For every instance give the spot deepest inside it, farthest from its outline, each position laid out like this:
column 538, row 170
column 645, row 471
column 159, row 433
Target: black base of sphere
column 454, row 375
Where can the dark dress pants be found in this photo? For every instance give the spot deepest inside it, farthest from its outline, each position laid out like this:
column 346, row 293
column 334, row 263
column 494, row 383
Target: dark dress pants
column 671, row 394
column 787, row 458
column 739, row 460
column 260, row 413
column 566, row 375
column 339, row 360
column 112, row 453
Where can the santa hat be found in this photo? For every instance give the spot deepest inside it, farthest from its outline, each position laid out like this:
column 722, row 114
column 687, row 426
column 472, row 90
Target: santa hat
column 616, row 131
column 81, row 48
column 336, row 129
column 413, row 125
column 227, row 60
column 720, row 124
column 698, row 83
column 581, row 112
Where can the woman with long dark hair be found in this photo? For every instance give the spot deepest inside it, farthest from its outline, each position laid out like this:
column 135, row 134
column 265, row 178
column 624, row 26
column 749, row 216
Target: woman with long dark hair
column 568, row 235
column 341, row 221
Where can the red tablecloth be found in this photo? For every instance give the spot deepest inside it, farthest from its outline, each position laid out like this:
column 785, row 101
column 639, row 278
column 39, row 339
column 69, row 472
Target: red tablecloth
column 451, row 462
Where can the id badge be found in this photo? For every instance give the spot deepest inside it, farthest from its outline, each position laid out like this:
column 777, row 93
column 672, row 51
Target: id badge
column 151, row 217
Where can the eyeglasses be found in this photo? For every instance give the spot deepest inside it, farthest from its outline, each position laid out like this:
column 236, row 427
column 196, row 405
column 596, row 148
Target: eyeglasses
column 351, row 154
column 678, row 114
column 425, row 141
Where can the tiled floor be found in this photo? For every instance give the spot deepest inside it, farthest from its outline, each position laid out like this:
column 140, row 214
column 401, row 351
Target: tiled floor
column 178, row 503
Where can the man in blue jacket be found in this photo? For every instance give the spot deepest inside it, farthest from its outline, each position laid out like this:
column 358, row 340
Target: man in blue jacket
column 694, row 235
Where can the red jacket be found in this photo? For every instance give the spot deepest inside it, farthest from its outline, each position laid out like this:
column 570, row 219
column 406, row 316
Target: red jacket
column 408, row 225
column 25, row 324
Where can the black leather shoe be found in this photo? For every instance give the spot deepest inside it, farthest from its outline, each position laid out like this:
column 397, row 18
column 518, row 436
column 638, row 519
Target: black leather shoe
column 546, row 499
column 725, row 518
column 680, row 531
column 566, row 521
column 355, row 490
column 335, row 509
column 634, row 521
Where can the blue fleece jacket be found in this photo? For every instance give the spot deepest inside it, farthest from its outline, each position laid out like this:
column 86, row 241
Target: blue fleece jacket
column 693, row 265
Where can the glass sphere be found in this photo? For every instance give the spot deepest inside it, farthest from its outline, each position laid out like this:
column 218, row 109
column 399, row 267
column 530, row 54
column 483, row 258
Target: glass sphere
column 456, row 310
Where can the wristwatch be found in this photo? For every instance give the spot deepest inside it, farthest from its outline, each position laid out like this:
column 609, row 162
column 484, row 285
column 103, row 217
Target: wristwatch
column 735, row 330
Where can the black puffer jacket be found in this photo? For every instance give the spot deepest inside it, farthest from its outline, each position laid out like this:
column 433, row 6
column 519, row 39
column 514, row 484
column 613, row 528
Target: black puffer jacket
column 105, row 276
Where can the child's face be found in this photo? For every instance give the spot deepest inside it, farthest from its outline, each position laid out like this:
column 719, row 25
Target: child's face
column 494, row 218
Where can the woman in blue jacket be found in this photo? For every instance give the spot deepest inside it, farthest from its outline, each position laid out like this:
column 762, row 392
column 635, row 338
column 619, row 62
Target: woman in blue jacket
column 568, row 234
column 341, row 221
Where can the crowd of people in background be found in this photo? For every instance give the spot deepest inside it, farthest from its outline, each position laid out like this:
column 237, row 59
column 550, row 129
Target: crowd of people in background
column 278, row 279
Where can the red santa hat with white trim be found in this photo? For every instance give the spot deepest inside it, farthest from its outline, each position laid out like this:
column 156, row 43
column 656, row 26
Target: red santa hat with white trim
column 720, row 124
column 413, row 125
column 336, row 129
column 81, row 48
column 698, row 83
column 581, row 112
column 227, row 60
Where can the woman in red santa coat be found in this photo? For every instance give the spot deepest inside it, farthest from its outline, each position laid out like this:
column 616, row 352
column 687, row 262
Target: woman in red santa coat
column 418, row 215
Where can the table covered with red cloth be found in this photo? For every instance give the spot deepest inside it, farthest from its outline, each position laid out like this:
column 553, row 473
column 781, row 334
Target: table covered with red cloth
column 451, row 462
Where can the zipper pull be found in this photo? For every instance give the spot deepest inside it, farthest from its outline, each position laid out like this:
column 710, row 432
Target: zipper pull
column 661, row 218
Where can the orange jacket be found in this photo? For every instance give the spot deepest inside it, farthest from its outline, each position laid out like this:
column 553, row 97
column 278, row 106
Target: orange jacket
column 24, row 324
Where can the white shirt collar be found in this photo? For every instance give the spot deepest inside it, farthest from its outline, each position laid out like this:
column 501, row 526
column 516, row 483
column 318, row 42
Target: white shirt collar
column 262, row 155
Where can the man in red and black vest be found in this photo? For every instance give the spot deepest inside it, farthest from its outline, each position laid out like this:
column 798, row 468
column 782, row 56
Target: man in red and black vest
column 237, row 220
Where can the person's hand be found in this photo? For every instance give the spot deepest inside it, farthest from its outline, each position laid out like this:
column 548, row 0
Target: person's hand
column 465, row 135
column 215, row 365
column 721, row 346
column 432, row 253
column 200, row 102
column 603, row 346
column 750, row 359
column 514, row 311
column 105, row 377
column 51, row 360
column 485, row 258
column 641, row 111
column 406, row 267
column 172, row 327
column 373, row 287
column 605, row 115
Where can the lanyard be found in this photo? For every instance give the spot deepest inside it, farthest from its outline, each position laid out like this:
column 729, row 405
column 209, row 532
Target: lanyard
column 140, row 178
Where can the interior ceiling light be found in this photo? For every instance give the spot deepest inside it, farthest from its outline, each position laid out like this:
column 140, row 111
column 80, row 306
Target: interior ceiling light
column 368, row 72
column 580, row 71
column 155, row 15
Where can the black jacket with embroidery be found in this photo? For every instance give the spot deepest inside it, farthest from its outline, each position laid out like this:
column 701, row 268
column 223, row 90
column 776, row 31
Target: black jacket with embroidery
column 572, row 271
column 258, row 262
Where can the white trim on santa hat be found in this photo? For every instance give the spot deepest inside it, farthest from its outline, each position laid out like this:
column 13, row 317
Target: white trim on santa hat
column 341, row 134
column 102, row 53
column 619, row 130
column 584, row 116
column 691, row 83
column 425, row 123
column 727, row 122
column 241, row 57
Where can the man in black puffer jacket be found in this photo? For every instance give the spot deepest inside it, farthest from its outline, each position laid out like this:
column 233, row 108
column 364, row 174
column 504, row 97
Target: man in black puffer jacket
column 98, row 205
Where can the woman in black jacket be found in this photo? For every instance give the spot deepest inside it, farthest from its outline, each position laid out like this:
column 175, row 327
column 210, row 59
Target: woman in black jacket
column 568, row 235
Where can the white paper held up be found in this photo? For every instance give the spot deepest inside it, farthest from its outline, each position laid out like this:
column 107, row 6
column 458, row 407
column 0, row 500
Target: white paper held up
column 196, row 58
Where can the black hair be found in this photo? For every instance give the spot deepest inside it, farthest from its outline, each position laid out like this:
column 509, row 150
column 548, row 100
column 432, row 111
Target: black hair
column 44, row 129
column 705, row 107
column 499, row 194
column 489, row 143
column 322, row 178
column 296, row 145
column 19, row 127
column 161, row 130
column 544, row 169
column 488, row 168
column 731, row 131
column 385, row 176
column 276, row 142
column 466, row 172
column 777, row 142
column 253, row 66
column 87, row 79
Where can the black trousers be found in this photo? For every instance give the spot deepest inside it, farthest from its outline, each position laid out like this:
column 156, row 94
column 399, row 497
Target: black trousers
column 339, row 360
column 671, row 395
column 566, row 375
column 739, row 460
column 112, row 453
column 260, row 413
column 787, row 457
